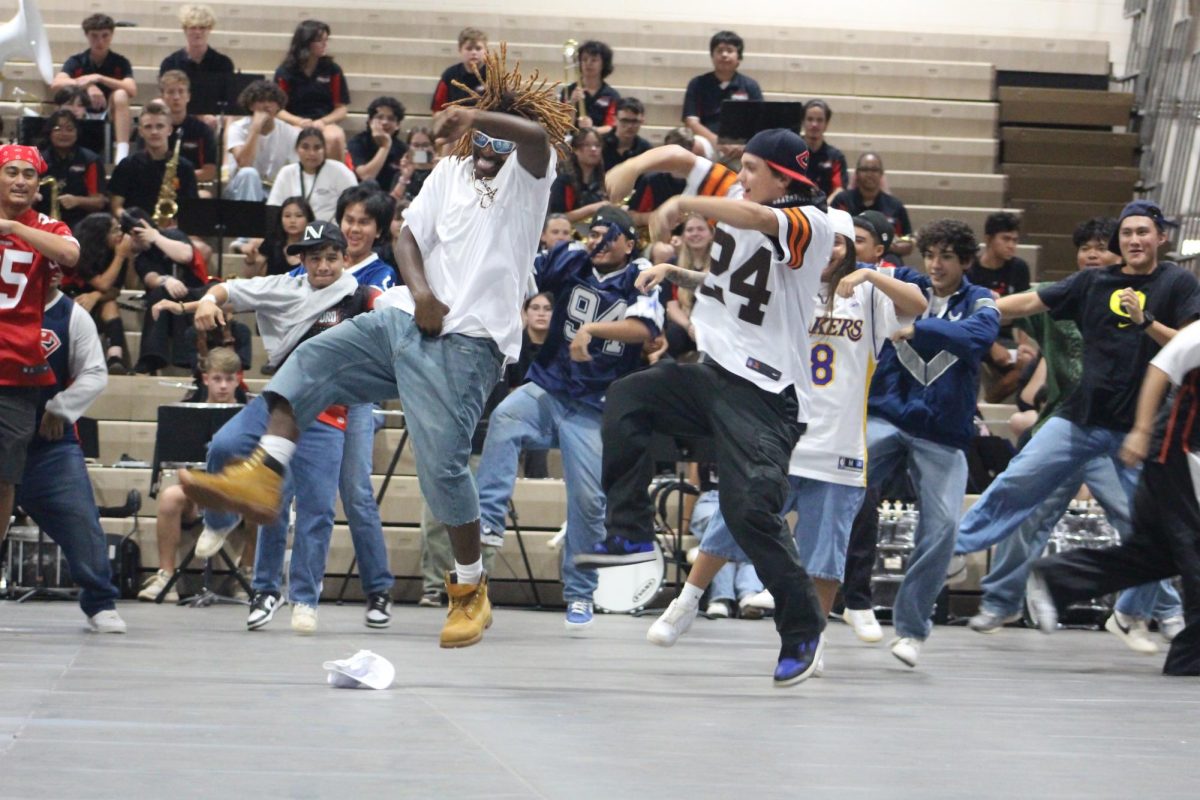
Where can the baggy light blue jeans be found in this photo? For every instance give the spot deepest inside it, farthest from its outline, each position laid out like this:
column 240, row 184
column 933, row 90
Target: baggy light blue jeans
column 1028, row 499
column 533, row 419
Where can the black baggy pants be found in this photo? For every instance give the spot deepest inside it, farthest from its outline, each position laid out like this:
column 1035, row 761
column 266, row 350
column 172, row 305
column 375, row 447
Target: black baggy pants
column 1165, row 542
column 753, row 433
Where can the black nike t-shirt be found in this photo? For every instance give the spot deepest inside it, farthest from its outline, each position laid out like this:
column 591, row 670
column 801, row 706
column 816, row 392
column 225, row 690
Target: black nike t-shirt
column 1115, row 351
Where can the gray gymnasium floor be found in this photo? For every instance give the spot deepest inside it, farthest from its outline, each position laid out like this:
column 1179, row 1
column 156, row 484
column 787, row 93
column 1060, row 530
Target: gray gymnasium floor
column 189, row 704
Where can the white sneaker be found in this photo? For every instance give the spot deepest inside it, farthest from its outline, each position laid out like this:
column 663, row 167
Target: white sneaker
column 673, row 623
column 762, row 600
column 262, row 610
column 154, row 586
column 211, row 541
column 108, row 621
column 990, row 622
column 1134, row 632
column 1171, row 627
column 719, row 609
column 304, row 619
column 865, row 626
column 819, row 672
column 907, row 650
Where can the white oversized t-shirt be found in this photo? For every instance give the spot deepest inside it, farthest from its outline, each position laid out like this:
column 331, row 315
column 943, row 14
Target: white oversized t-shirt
column 286, row 307
column 843, row 349
column 273, row 150
column 755, row 307
column 478, row 260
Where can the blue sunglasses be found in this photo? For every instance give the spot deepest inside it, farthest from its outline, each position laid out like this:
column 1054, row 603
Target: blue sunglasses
column 501, row 147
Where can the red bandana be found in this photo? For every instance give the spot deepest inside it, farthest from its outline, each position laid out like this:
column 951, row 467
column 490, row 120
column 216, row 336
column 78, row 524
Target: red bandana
column 21, row 152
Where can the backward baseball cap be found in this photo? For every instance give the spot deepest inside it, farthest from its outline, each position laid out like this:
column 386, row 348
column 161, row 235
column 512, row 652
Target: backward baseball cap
column 318, row 233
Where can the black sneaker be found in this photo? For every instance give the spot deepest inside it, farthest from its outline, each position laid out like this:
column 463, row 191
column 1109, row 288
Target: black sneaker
column 379, row 610
column 262, row 610
column 615, row 551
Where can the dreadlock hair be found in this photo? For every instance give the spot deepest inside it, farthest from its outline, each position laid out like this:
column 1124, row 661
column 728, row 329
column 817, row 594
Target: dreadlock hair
column 509, row 93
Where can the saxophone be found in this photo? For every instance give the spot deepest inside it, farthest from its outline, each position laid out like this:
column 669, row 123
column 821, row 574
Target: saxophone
column 52, row 182
column 166, row 208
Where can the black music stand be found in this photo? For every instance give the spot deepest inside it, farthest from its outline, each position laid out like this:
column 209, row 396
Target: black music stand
column 680, row 450
column 387, row 479
column 219, row 218
column 741, row 119
column 181, row 440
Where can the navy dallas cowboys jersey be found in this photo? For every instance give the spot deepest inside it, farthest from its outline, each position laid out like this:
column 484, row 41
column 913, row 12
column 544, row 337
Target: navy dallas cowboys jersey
column 582, row 295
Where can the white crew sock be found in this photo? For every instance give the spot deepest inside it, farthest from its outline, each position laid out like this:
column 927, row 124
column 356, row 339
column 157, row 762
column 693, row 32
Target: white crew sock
column 278, row 448
column 469, row 573
column 122, row 150
column 691, row 594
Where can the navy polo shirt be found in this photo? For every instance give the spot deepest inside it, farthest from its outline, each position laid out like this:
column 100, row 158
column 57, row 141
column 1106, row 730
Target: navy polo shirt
column 705, row 94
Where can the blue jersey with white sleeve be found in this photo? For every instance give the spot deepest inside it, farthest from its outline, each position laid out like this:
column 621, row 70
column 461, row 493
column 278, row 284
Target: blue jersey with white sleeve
column 583, row 295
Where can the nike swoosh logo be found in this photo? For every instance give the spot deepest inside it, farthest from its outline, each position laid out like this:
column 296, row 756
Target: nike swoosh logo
column 1124, row 324
column 1122, row 628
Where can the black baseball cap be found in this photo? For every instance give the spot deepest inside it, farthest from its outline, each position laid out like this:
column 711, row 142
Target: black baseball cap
column 784, row 151
column 874, row 220
column 612, row 215
column 318, row 234
column 1138, row 208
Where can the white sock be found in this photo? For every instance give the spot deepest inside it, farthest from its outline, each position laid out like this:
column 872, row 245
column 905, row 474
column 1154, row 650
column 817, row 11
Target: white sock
column 469, row 573
column 122, row 150
column 691, row 594
column 278, row 448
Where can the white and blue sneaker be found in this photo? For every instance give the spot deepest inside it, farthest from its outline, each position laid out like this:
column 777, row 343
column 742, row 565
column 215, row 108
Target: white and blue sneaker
column 579, row 616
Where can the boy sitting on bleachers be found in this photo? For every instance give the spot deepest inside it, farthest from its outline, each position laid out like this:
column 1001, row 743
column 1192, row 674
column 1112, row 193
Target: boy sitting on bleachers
column 219, row 383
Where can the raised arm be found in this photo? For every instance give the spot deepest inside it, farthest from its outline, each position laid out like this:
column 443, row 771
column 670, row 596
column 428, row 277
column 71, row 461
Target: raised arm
column 1015, row 306
column 533, row 144
column 736, row 213
column 907, row 297
column 670, row 158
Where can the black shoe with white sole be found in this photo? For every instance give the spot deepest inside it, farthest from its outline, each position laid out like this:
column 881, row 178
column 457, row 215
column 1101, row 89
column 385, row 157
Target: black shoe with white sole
column 379, row 610
column 262, row 610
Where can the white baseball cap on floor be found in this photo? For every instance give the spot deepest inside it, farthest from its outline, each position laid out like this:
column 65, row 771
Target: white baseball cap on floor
column 363, row 670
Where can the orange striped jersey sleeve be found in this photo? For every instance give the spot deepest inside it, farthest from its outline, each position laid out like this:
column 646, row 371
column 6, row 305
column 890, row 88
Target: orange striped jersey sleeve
column 717, row 183
column 798, row 235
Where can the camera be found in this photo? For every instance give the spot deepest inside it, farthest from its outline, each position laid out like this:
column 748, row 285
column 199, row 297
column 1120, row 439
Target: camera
column 129, row 222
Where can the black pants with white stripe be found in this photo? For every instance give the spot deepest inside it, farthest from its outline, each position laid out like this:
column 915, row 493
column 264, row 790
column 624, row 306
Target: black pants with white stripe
column 753, row 433
column 1165, row 543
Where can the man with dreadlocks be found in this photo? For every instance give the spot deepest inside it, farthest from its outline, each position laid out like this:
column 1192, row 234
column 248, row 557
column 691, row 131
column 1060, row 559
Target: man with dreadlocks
column 466, row 254
column 749, row 393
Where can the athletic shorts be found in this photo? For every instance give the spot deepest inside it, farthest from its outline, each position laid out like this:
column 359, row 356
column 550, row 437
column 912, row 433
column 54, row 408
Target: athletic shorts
column 18, row 413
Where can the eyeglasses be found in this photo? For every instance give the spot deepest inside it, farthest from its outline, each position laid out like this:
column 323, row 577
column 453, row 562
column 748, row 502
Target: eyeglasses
column 63, row 129
column 629, row 120
column 500, row 146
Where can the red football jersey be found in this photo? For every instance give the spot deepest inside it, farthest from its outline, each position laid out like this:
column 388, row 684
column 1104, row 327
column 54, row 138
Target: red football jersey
column 24, row 277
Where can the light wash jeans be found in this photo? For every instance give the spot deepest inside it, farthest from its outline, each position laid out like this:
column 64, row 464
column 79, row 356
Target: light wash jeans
column 939, row 473
column 358, row 500
column 533, row 419
column 736, row 579
column 441, row 381
column 1031, row 495
column 318, row 452
column 246, row 184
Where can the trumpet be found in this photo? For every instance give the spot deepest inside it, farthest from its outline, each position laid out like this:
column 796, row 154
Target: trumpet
column 571, row 66
column 52, row 182
column 166, row 208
